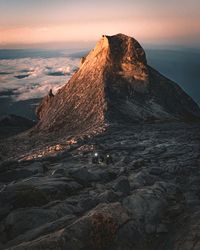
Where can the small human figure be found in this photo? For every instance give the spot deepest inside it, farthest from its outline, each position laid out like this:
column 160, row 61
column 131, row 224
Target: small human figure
column 95, row 158
column 51, row 93
column 108, row 159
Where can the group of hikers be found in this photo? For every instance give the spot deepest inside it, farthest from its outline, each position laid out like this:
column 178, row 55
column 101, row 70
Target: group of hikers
column 101, row 158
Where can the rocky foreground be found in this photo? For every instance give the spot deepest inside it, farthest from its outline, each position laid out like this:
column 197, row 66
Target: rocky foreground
column 147, row 199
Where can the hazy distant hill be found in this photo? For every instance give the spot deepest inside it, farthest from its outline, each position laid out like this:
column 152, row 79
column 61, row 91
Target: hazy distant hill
column 182, row 66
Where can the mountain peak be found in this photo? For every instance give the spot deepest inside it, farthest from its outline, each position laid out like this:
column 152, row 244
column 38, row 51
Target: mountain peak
column 122, row 55
column 115, row 84
column 126, row 48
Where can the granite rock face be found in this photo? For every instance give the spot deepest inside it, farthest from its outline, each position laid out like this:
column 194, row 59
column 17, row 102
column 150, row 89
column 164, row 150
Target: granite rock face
column 58, row 190
column 115, row 84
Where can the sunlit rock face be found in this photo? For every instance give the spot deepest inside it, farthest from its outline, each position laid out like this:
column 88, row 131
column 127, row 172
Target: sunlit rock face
column 123, row 186
column 44, row 105
column 115, row 84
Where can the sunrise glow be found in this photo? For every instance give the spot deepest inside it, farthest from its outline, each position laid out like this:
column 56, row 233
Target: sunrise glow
column 36, row 22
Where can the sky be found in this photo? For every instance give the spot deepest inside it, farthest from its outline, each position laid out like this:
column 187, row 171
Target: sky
column 36, row 22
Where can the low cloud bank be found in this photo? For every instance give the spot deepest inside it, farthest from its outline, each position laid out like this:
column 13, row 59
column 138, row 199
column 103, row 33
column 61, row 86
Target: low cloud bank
column 30, row 78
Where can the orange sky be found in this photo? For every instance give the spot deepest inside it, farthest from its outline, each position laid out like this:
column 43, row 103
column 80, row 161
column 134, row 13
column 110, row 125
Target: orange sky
column 35, row 22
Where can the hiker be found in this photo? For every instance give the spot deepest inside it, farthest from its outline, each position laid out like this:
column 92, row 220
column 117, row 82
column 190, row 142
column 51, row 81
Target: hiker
column 108, row 159
column 51, row 93
column 95, row 158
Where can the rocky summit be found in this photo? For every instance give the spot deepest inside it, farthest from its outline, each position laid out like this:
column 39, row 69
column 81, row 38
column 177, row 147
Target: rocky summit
column 112, row 164
column 115, row 84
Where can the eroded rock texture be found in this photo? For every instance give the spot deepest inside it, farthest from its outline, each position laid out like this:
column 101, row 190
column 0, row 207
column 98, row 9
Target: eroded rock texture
column 147, row 199
column 115, row 84
column 143, row 190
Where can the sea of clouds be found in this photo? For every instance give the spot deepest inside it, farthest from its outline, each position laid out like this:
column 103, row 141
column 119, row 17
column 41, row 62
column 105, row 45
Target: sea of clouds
column 29, row 78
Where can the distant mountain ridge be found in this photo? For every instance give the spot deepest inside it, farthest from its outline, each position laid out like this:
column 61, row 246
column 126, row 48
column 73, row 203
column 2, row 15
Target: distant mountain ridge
column 115, row 84
column 13, row 124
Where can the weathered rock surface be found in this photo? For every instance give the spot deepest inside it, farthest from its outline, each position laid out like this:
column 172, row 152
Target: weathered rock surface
column 44, row 105
column 54, row 194
column 115, row 84
column 147, row 199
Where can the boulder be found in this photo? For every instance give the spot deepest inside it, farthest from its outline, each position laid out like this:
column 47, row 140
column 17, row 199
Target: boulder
column 122, row 185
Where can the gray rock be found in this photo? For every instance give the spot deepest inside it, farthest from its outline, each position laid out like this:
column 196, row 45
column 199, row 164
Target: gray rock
column 122, row 185
column 36, row 167
column 88, row 203
column 156, row 171
column 14, row 175
column 162, row 207
column 148, row 205
column 150, row 229
column 101, row 224
column 22, row 220
column 108, row 196
column 54, row 187
column 123, row 170
column 36, row 191
column 161, row 228
column 141, row 179
column 128, row 237
column 44, row 229
column 83, row 175
column 59, row 171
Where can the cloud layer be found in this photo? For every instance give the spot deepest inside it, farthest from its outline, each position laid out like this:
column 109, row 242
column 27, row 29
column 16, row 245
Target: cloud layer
column 30, row 78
